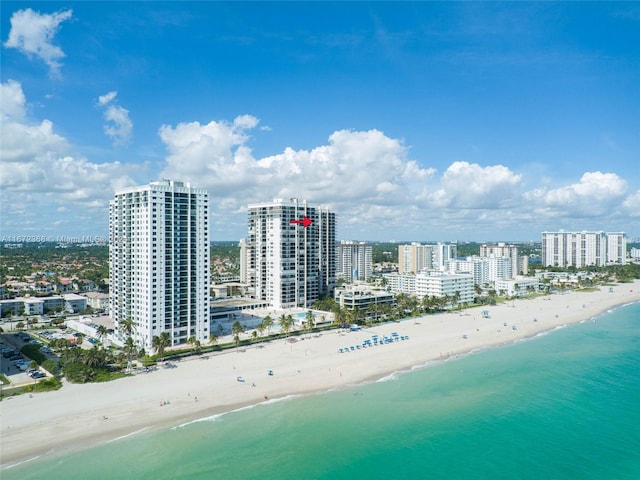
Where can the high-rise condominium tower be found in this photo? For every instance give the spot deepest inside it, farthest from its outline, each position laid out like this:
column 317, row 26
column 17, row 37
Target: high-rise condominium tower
column 289, row 264
column 159, row 261
column 354, row 260
column 582, row 249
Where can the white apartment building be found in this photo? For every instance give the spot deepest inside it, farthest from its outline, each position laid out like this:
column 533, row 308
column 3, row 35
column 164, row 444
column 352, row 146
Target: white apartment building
column 443, row 253
column 477, row 266
column 582, row 249
column 288, row 264
column 159, row 261
column 354, row 261
column 517, row 286
column 519, row 264
column 440, row 284
column 401, row 283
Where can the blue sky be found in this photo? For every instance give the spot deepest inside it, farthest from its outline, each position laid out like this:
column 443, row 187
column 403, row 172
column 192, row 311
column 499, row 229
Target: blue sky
column 412, row 121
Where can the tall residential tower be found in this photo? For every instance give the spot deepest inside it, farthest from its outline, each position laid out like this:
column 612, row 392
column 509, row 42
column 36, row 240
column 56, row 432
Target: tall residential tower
column 159, row 261
column 582, row 249
column 289, row 264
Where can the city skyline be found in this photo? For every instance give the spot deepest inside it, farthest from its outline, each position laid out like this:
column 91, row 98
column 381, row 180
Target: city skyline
column 412, row 121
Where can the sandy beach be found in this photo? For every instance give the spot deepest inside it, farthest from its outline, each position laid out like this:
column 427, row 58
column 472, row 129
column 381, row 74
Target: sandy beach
column 79, row 416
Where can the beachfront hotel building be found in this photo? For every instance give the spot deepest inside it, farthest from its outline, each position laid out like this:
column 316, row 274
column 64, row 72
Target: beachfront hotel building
column 354, row 261
column 442, row 284
column 583, row 249
column 289, row 264
column 159, row 261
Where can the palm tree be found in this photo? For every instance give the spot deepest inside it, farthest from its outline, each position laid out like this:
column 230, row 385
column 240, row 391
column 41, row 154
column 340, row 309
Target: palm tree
column 101, row 331
column 129, row 350
column 127, row 326
column 213, row 339
column 310, row 321
column 236, row 330
column 160, row 342
column 455, row 299
column 268, row 323
column 286, row 322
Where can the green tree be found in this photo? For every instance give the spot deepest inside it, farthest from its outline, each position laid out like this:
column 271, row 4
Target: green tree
column 310, row 321
column 268, row 323
column 160, row 343
column 130, row 349
column 286, row 322
column 236, row 330
column 127, row 326
column 102, row 332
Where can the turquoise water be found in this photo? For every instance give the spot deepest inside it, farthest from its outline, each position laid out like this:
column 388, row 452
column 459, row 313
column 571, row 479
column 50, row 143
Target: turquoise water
column 565, row 405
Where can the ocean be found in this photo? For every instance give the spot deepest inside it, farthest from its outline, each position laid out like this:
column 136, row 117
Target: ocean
column 563, row 405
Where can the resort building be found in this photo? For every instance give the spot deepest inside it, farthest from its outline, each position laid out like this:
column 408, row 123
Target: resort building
column 354, row 261
column 159, row 261
column 583, row 249
column 362, row 297
column 517, row 286
column 289, row 255
column 440, row 284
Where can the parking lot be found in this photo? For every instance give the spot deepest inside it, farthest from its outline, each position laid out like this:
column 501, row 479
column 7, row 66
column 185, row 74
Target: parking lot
column 14, row 365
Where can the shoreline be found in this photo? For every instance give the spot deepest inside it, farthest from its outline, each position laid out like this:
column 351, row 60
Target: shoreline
column 78, row 417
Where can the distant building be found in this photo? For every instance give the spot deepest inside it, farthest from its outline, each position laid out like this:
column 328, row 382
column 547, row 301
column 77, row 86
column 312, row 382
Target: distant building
column 519, row 264
column 159, row 261
column 354, row 261
column 284, row 262
column 414, row 258
column 583, row 249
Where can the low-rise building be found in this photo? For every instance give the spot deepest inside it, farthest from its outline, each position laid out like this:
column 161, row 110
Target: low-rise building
column 97, row 300
column 457, row 286
column 518, row 286
column 361, row 297
column 74, row 303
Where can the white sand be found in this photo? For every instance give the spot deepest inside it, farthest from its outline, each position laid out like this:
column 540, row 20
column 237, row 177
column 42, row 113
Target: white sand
column 74, row 416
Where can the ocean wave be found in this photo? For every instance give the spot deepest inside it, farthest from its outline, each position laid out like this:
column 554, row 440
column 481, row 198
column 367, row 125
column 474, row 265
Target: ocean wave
column 217, row 416
column 7, row 467
column 128, row 435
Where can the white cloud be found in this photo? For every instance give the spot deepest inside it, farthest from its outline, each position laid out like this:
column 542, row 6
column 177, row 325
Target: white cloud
column 40, row 173
column 32, row 33
column 119, row 126
column 632, row 204
column 596, row 194
column 469, row 185
column 370, row 181
column 106, row 98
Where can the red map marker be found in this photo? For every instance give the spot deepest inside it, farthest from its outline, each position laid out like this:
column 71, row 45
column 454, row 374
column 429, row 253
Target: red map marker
column 305, row 222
